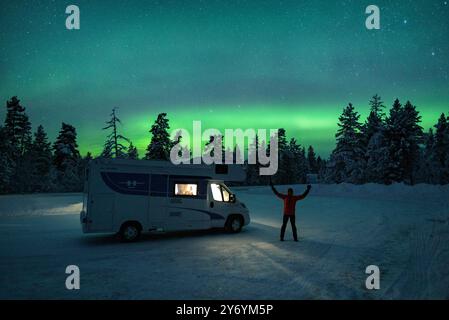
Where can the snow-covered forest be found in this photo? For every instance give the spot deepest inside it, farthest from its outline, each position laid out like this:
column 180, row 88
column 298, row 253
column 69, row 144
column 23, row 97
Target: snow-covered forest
column 389, row 146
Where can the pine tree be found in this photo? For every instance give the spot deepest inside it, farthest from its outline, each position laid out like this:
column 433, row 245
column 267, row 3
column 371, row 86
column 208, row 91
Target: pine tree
column 41, row 161
column 440, row 153
column 312, row 161
column 113, row 147
column 429, row 170
column 18, row 134
column 396, row 145
column 6, row 165
column 160, row 145
column 132, row 152
column 18, row 127
column 371, row 139
column 403, row 136
column 67, row 160
column 413, row 137
column 374, row 123
column 347, row 160
column 296, row 163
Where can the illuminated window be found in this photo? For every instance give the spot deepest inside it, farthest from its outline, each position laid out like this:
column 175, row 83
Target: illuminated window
column 220, row 193
column 186, row 189
column 225, row 194
column 216, row 192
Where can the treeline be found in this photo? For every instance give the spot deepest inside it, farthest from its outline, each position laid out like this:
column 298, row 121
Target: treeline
column 388, row 148
column 30, row 163
column 385, row 148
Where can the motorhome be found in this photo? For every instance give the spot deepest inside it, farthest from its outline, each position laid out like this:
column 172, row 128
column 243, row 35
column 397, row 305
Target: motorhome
column 129, row 197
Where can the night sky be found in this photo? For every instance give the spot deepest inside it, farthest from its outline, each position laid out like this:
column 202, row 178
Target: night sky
column 232, row 64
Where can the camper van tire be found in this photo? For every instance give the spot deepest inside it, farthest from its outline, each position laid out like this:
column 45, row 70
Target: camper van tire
column 234, row 223
column 130, row 231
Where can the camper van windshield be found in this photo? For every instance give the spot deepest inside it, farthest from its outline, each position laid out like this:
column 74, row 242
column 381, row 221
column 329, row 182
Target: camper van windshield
column 220, row 192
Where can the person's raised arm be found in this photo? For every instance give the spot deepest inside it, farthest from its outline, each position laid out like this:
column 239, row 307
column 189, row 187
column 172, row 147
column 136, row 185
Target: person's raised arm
column 302, row 196
column 280, row 195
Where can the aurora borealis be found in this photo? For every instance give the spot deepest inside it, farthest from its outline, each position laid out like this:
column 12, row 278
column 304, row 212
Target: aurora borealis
column 230, row 64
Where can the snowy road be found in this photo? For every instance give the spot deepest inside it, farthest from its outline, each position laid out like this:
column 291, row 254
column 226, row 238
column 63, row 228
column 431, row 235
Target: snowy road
column 343, row 229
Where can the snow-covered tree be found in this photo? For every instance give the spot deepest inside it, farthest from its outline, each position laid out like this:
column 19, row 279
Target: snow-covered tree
column 312, row 161
column 376, row 158
column 347, row 161
column 374, row 142
column 18, row 127
column 440, row 153
column 113, row 147
column 296, row 163
column 414, row 138
column 18, row 134
column 403, row 136
column 6, row 165
column 396, row 144
column 67, row 159
column 160, row 145
column 41, row 156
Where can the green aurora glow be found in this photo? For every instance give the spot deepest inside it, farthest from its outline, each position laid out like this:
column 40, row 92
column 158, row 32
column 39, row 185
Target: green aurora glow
column 233, row 64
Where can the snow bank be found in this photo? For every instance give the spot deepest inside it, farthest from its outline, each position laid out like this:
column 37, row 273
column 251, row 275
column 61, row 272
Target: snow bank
column 44, row 204
column 369, row 190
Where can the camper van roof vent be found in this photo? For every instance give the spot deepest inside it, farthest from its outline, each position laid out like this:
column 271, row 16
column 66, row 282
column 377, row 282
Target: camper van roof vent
column 221, row 169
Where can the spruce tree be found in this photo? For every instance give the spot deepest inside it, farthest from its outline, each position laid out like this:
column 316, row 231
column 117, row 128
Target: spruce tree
column 67, row 159
column 18, row 127
column 312, row 161
column 160, row 145
column 396, row 145
column 296, row 163
column 41, row 161
column 441, row 150
column 347, row 160
column 18, row 135
column 429, row 170
column 413, row 135
column 372, row 139
column 6, row 163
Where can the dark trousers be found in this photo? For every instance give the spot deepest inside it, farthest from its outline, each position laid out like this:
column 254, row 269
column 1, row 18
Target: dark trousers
column 284, row 225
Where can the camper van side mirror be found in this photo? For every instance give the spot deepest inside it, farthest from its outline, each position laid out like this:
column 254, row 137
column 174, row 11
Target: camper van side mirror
column 232, row 198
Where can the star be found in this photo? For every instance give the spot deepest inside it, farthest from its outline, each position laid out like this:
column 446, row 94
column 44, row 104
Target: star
column 405, row 21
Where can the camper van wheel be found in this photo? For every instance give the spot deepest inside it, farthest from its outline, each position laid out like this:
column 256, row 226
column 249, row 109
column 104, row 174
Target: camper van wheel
column 234, row 224
column 130, row 232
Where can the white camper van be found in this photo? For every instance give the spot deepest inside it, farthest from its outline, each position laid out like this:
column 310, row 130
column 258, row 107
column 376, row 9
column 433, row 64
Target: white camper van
column 132, row 196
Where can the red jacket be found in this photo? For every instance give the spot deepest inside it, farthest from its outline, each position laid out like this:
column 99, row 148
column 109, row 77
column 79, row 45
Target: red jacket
column 290, row 201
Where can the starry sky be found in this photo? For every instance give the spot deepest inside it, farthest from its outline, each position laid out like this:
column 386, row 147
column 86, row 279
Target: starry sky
column 231, row 64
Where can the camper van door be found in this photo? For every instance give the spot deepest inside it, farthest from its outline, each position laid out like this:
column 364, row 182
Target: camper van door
column 101, row 213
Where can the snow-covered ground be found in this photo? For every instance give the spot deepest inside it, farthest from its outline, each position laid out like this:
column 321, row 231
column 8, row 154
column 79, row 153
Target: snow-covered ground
column 404, row 230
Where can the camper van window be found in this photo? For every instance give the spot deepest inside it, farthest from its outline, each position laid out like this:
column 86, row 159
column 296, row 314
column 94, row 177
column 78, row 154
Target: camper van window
column 216, row 192
column 186, row 189
column 225, row 194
